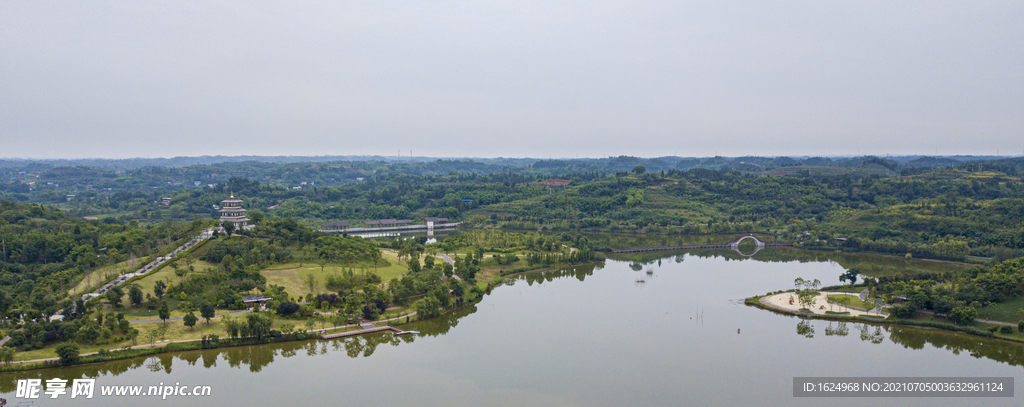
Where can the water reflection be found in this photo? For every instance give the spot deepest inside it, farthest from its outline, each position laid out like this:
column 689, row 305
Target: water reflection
column 839, row 330
column 805, row 328
column 255, row 358
column 919, row 338
column 870, row 264
column 915, row 338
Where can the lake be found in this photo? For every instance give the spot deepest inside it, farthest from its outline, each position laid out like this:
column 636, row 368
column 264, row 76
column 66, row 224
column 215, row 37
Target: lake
column 580, row 336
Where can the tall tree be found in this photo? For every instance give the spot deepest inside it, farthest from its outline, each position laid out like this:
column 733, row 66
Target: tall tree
column 207, row 311
column 135, row 295
column 68, row 352
column 6, row 355
column 159, row 288
column 164, row 311
column 310, row 280
column 190, row 321
column 114, row 295
column 257, row 325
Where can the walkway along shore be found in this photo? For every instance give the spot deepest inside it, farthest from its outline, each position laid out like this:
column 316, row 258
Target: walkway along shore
column 311, row 331
column 365, row 331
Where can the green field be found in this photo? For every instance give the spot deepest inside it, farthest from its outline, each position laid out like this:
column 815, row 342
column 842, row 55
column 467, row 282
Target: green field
column 291, row 275
column 1003, row 311
column 854, row 301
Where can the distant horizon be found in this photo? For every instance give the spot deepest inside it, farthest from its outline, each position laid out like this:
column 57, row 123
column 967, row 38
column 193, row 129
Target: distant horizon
column 349, row 156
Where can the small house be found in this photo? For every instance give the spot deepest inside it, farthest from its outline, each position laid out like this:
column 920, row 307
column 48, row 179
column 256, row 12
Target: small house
column 251, row 300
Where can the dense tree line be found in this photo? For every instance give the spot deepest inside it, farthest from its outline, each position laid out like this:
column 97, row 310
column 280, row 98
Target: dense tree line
column 959, row 294
column 44, row 252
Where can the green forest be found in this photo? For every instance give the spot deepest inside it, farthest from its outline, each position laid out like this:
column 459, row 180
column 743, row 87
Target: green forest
column 66, row 229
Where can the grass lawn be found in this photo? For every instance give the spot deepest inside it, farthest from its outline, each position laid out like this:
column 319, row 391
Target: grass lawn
column 47, row 352
column 290, row 275
column 854, row 301
column 1004, row 311
column 847, row 289
column 167, row 273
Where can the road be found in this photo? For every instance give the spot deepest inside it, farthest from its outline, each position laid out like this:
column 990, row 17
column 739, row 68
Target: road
column 450, row 261
column 146, row 269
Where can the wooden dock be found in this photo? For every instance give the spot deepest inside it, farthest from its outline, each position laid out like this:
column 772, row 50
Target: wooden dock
column 364, row 331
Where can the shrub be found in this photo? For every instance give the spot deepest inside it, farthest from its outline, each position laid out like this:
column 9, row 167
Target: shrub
column 963, row 315
column 287, row 308
column 1006, row 329
column 68, row 352
column 905, row 310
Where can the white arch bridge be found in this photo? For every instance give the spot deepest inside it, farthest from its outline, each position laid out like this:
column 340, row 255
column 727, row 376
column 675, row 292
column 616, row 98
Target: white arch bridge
column 732, row 245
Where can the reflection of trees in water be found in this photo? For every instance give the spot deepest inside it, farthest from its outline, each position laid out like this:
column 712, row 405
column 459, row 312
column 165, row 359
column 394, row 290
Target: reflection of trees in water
column 256, row 357
column 868, row 263
column 839, row 330
column 577, row 272
column 870, row 333
column 805, row 328
column 209, row 359
column 914, row 338
column 190, row 357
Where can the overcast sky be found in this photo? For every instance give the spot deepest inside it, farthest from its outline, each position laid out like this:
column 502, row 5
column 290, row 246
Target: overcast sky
column 510, row 78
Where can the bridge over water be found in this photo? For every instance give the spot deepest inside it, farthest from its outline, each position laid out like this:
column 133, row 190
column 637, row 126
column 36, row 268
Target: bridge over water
column 733, row 245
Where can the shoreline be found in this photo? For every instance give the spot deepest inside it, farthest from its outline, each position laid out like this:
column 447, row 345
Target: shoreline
column 177, row 346
column 755, row 301
column 195, row 344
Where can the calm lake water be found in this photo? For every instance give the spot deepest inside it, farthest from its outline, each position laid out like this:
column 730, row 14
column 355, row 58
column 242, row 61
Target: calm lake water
column 581, row 336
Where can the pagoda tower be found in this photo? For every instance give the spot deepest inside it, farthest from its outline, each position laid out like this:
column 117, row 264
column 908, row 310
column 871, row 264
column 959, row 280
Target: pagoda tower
column 231, row 210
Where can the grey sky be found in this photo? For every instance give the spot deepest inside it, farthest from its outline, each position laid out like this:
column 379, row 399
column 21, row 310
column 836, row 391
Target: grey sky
column 515, row 78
